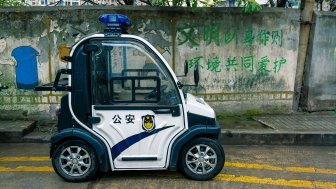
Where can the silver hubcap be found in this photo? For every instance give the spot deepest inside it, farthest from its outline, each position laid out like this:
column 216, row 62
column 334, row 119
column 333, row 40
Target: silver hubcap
column 75, row 161
column 201, row 159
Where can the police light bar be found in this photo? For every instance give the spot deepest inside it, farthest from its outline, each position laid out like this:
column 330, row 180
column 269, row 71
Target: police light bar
column 116, row 24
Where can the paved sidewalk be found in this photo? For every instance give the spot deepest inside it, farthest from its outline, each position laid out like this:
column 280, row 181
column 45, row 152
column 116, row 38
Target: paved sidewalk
column 294, row 129
column 15, row 130
column 300, row 123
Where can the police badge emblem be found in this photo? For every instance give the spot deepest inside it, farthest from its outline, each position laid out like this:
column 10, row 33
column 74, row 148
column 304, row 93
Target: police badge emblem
column 148, row 123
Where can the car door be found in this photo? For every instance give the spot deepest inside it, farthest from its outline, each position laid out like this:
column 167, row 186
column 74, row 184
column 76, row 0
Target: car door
column 137, row 101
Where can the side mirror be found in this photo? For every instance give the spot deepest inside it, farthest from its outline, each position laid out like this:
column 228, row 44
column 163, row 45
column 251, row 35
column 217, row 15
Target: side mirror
column 196, row 75
column 185, row 68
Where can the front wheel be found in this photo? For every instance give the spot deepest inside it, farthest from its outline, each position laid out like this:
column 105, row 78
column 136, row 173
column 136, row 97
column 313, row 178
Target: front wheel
column 201, row 159
column 75, row 161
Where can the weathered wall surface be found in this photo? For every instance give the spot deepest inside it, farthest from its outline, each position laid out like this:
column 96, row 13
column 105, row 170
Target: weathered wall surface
column 247, row 61
column 319, row 89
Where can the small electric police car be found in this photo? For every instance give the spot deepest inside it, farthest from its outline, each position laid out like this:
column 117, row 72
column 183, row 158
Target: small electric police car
column 125, row 110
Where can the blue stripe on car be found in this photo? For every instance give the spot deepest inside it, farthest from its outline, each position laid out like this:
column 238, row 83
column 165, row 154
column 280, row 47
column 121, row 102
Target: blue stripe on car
column 126, row 143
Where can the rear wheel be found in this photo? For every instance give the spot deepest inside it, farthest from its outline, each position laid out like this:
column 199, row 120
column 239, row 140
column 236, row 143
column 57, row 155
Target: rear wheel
column 75, row 161
column 202, row 159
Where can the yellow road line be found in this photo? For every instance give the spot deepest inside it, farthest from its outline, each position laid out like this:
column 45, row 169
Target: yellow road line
column 278, row 168
column 277, row 182
column 220, row 177
column 24, row 158
column 252, row 166
column 27, row 169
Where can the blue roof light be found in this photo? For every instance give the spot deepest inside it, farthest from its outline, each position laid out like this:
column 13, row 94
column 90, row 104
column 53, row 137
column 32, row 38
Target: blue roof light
column 116, row 24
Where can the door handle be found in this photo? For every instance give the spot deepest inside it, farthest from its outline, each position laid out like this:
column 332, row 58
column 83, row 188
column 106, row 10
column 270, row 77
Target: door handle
column 162, row 111
column 94, row 120
column 175, row 111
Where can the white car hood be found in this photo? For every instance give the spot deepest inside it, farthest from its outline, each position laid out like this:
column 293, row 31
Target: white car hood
column 198, row 106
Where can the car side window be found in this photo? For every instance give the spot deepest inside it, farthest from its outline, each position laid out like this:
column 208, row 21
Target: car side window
column 126, row 73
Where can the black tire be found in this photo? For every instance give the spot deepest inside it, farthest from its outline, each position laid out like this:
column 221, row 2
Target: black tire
column 75, row 161
column 201, row 159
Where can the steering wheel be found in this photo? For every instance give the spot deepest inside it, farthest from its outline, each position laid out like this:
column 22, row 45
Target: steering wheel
column 154, row 93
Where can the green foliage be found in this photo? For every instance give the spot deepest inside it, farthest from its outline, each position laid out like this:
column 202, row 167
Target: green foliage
column 249, row 6
column 10, row 3
column 179, row 3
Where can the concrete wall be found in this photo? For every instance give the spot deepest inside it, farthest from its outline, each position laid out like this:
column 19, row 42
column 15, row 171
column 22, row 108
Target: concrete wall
column 319, row 89
column 247, row 61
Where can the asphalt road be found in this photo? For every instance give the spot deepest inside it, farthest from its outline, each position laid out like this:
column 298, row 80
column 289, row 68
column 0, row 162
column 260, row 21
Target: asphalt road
column 28, row 166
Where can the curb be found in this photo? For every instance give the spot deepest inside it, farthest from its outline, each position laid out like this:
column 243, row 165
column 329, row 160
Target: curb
column 37, row 137
column 260, row 137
